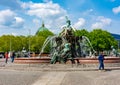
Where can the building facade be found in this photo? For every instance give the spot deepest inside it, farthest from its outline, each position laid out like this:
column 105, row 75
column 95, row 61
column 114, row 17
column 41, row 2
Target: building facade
column 117, row 37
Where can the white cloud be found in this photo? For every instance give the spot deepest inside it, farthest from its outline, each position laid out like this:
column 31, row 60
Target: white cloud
column 97, row 25
column 18, row 22
column 51, row 13
column 101, row 22
column 46, row 10
column 79, row 23
column 116, row 10
column 105, row 21
column 9, row 19
column 88, row 12
column 6, row 16
column 36, row 22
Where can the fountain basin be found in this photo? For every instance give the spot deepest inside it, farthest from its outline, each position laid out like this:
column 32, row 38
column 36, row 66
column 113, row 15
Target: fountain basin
column 34, row 60
column 95, row 60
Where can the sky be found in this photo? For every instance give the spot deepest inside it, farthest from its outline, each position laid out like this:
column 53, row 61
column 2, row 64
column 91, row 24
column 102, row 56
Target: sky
column 24, row 17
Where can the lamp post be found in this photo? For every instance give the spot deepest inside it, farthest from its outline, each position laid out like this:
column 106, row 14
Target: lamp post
column 29, row 41
column 10, row 43
column 10, row 46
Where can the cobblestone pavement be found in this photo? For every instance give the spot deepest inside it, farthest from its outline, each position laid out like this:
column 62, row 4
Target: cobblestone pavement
column 16, row 77
column 92, row 78
column 11, row 77
column 46, row 74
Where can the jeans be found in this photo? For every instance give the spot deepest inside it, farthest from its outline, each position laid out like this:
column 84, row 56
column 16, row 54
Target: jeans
column 101, row 66
column 12, row 59
column 6, row 60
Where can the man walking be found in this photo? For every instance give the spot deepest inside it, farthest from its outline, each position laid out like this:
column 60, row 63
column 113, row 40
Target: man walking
column 12, row 57
column 101, row 61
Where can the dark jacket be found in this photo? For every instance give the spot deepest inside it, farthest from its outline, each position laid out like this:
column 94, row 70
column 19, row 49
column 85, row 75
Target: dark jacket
column 101, row 58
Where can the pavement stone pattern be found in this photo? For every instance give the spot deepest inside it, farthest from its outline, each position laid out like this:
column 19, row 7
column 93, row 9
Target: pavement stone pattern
column 92, row 78
column 13, row 77
column 57, row 74
column 16, row 77
column 51, row 78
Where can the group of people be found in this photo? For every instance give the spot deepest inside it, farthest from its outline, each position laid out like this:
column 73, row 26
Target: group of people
column 100, row 59
column 9, row 55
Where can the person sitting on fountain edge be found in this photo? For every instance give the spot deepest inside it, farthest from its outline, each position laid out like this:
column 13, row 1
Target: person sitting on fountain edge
column 101, row 61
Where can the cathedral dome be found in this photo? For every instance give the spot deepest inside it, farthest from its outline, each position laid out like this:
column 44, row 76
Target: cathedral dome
column 42, row 28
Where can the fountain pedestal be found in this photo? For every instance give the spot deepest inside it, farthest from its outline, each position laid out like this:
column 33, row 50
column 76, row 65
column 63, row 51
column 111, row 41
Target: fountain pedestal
column 46, row 60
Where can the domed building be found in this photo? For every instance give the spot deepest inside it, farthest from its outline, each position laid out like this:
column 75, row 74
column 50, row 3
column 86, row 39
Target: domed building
column 42, row 28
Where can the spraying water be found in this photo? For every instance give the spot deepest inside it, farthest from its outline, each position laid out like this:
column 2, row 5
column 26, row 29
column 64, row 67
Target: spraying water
column 67, row 45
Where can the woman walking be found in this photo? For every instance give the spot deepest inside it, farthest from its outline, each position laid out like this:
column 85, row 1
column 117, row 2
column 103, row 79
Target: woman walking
column 6, row 57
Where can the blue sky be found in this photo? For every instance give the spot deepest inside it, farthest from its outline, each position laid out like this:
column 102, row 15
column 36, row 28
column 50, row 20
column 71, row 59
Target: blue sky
column 17, row 17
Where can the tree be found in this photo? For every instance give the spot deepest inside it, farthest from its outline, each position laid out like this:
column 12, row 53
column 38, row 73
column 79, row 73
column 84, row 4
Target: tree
column 36, row 43
column 82, row 32
column 13, row 43
column 20, row 42
column 5, row 43
column 40, row 38
column 101, row 40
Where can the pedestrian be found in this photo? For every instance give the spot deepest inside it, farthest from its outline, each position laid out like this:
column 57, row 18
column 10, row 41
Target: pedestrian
column 101, row 61
column 6, row 57
column 12, row 57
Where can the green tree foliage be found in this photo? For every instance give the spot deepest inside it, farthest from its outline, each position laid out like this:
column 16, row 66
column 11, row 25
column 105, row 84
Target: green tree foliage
column 36, row 43
column 45, row 33
column 5, row 43
column 82, row 32
column 102, row 40
column 16, row 43
column 21, row 41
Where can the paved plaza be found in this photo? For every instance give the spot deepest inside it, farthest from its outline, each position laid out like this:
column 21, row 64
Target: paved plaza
column 16, row 77
column 13, row 74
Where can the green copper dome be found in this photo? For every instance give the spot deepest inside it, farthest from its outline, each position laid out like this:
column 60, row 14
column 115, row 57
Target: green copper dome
column 42, row 28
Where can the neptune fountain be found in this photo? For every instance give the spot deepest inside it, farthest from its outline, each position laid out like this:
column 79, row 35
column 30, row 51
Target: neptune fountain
column 66, row 45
